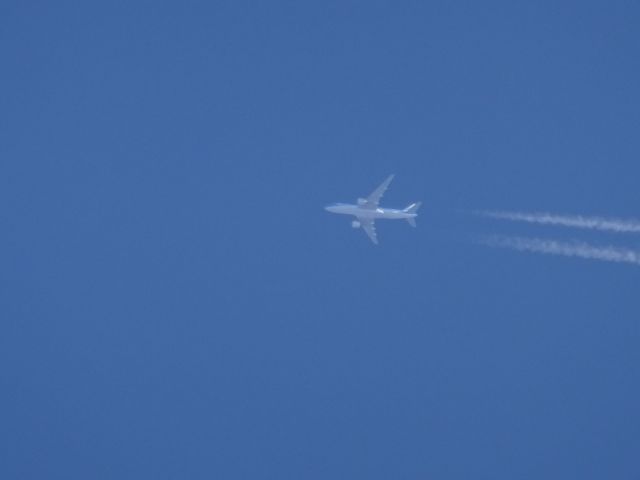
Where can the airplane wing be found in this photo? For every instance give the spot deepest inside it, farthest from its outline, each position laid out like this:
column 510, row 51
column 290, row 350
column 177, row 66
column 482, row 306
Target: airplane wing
column 376, row 195
column 369, row 227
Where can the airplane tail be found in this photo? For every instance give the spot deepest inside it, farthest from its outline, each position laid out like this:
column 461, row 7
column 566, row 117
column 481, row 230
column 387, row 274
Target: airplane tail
column 413, row 208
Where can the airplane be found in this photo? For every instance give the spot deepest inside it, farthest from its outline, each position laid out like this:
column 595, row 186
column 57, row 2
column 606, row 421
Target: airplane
column 367, row 211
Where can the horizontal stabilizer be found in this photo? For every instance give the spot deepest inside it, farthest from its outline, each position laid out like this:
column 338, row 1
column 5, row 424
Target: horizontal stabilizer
column 413, row 208
column 412, row 221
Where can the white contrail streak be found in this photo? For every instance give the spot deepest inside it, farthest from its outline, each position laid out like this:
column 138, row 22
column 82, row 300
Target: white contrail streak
column 575, row 221
column 567, row 249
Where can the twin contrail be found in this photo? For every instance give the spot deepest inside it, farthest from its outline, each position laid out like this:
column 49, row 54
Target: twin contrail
column 574, row 221
column 567, row 249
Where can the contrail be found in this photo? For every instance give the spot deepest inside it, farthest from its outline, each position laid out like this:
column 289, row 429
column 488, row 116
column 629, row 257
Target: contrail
column 567, row 249
column 575, row 221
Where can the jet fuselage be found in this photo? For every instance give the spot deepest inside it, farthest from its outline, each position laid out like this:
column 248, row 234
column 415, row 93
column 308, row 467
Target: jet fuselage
column 361, row 212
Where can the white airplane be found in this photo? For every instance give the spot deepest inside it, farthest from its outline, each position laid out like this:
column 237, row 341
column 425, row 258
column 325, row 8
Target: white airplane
column 367, row 211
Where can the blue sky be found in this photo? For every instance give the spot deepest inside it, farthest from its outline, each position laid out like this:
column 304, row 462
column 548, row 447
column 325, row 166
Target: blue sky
column 175, row 302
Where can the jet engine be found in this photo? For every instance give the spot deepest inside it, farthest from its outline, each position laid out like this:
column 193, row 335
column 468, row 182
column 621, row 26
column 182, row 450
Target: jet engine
column 355, row 224
column 362, row 201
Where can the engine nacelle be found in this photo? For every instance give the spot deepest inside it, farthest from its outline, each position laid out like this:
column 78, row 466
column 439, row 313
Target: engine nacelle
column 355, row 224
column 362, row 201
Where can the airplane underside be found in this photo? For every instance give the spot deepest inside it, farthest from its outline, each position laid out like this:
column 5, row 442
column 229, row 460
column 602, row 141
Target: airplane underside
column 367, row 211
